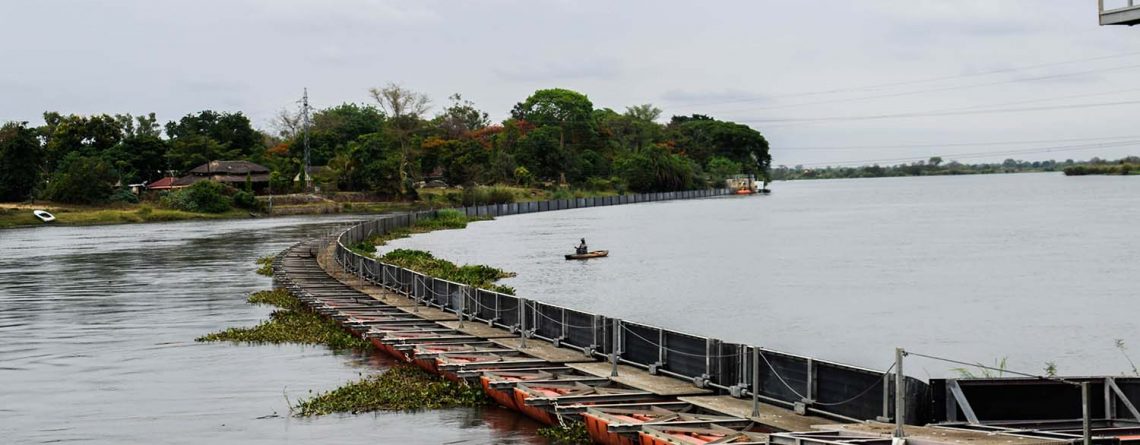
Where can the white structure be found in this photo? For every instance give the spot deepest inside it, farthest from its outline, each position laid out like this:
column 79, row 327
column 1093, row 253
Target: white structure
column 1119, row 12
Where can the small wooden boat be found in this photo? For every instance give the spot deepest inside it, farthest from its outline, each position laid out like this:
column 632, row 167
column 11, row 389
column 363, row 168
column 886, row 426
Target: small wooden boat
column 43, row 215
column 586, row 256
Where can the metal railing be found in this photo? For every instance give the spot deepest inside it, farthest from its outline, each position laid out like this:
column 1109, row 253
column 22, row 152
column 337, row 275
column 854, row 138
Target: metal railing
column 803, row 383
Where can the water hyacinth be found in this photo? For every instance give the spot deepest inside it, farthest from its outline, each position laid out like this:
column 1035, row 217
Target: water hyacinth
column 400, row 388
column 477, row 275
column 572, row 433
column 292, row 323
column 265, row 266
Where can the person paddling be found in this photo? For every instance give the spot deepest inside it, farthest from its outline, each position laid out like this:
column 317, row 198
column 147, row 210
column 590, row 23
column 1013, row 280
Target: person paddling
column 582, row 249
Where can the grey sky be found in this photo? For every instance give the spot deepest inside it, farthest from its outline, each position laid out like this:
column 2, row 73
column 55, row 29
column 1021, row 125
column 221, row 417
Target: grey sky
column 748, row 61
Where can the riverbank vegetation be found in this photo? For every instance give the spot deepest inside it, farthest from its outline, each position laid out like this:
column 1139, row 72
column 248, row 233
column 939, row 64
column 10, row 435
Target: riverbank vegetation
column 554, row 140
column 935, row 166
column 290, row 323
column 1122, row 167
column 401, row 388
column 478, row 275
column 574, row 433
column 265, row 266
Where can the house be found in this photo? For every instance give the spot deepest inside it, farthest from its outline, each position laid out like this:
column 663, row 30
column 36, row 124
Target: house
column 166, row 183
column 232, row 173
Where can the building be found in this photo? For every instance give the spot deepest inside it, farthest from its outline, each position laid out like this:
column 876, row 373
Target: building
column 232, row 173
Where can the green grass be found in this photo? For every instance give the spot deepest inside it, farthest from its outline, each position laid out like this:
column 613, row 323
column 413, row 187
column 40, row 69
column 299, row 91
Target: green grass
column 85, row 216
column 401, row 388
column 291, row 323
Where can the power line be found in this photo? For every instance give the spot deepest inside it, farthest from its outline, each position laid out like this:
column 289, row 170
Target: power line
column 912, row 82
column 953, row 144
column 983, row 154
column 940, row 113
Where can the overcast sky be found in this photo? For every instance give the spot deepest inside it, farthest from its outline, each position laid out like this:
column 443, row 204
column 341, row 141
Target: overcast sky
column 825, row 81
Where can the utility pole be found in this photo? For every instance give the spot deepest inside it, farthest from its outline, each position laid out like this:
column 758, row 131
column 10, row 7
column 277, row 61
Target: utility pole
column 305, row 125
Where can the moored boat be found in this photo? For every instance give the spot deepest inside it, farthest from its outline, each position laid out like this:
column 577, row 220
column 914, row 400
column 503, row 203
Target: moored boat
column 43, row 215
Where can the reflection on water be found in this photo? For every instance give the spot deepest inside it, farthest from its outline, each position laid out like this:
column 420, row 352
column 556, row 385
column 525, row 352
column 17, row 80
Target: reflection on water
column 96, row 344
column 1036, row 267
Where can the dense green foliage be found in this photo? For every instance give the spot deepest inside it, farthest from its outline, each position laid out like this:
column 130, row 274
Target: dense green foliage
column 201, row 197
column 82, row 180
column 402, row 387
column 480, row 276
column 20, row 156
column 291, row 323
column 553, row 138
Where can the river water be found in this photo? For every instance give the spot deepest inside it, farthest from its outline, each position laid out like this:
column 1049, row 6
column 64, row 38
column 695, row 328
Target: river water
column 97, row 328
column 1033, row 267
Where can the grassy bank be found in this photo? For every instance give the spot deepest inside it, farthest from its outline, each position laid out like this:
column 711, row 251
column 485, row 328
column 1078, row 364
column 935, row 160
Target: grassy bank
column 19, row 216
column 402, row 388
column 290, row 323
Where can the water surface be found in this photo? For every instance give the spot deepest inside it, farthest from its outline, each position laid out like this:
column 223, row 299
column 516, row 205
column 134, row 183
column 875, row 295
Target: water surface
column 1033, row 267
column 97, row 328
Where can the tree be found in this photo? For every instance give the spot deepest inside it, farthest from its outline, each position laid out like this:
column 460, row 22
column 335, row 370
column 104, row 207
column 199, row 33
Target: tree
column 210, row 135
column 935, row 161
column 461, row 118
column 82, row 180
column 20, row 157
column 570, row 112
column 701, row 137
column 643, row 112
column 720, row 169
column 405, row 109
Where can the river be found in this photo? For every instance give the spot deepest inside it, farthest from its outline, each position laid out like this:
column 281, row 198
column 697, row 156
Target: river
column 1035, row 268
column 97, row 328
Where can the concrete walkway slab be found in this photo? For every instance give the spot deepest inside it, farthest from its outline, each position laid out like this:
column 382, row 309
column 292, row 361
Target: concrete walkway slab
column 775, row 417
column 641, row 379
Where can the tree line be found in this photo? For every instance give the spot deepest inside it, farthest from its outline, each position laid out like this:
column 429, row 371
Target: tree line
column 935, row 166
column 555, row 137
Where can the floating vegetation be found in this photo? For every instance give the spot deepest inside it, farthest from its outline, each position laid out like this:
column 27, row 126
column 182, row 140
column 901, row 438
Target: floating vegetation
column 265, row 266
column 478, row 275
column 292, row 323
column 401, row 388
column 446, row 219
column 573, row 434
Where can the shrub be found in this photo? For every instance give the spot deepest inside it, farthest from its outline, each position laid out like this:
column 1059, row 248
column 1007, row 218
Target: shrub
column 202, row 197
column 82, row 180
column 246, row 200
column 124, row 195
column 487, row 195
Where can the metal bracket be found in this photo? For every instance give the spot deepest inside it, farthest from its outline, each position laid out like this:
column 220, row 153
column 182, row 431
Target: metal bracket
column 1111, row 382
column 963, row 403
column 653, row 367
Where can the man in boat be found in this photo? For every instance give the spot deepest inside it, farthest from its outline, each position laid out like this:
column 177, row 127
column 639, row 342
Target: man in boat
column 582, row 249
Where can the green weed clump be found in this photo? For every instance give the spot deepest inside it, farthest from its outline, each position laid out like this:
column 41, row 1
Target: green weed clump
column 401, row 388
column 291, row 323
column 573, row 434
column 265, row 266
column 476, row 275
